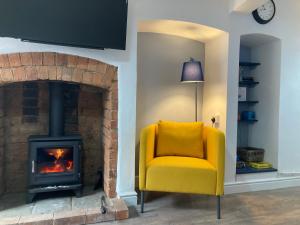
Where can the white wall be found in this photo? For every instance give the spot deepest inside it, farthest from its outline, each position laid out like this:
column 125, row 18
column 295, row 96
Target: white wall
column 215, row 87
column 264, row 133
column 160, row 94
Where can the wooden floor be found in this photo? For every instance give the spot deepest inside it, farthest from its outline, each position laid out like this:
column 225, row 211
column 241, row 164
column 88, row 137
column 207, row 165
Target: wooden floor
column 256, row 208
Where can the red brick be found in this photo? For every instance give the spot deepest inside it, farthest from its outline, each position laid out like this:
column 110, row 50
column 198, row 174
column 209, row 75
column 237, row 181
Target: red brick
column 110, row 188
column 14, row 59
column 48, row 59
column 74, row 217
column 72, row 60
column 19, row 73
column 92, row 65
column 77, row 75
column 37, row 58
column 67, row 74
column 114, row 114
column 121, row 209
column 59, row 73
column 42, row 72
column 4, row 62
column 26, row 59
column 114, row 105
column 52, row 72
column 98, row 80
column 61, row 59
column 88, row 78
column 111, row 72
column 114, row 124
column 101, row 67
column 7, row 75
column 31, row 73
column 94, row 215
column 82, row 63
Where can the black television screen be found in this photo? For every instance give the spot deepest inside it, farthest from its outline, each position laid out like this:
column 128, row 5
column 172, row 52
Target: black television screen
column 84, row 23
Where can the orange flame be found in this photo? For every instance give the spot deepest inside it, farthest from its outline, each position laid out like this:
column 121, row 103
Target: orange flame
column 57, row 153
column 59, row 165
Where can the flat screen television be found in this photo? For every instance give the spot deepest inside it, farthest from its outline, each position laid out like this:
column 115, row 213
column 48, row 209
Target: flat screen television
column 84, row 23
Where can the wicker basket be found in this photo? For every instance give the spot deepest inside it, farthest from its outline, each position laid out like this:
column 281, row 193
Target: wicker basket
column 249, row 154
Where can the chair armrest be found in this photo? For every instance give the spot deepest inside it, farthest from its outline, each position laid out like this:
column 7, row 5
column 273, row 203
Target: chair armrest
column 215, row 145
column 147, row 148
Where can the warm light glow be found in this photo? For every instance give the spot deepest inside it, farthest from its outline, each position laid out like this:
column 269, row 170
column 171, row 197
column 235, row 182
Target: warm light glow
column 183, row 29
column 57, row 153
column 60, row 165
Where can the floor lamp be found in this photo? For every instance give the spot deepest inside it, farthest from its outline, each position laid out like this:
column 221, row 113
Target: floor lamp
column 192, row 73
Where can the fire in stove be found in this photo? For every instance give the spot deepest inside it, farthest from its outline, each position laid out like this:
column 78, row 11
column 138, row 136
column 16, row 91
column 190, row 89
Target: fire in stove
column 55, row 160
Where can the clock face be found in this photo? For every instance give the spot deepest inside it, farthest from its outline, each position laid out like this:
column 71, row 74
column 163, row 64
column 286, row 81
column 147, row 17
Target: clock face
column 265, row 13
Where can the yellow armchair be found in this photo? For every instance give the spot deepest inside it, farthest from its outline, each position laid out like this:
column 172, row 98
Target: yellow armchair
column 182, row 174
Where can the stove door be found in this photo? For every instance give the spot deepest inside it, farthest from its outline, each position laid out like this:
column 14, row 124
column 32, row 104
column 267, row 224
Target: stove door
column 54, row 163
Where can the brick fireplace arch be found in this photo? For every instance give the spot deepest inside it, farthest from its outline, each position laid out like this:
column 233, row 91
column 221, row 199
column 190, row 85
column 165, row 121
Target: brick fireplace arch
column 48, row 66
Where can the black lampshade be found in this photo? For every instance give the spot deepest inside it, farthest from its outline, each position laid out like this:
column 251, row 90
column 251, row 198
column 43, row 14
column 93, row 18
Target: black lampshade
column 192, row 72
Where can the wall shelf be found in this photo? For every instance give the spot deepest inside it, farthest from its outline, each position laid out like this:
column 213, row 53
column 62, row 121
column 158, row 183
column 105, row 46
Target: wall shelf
column 248, row 170
column 249, row 84
column 248, row 121
column 249, row 64
column 248, row 102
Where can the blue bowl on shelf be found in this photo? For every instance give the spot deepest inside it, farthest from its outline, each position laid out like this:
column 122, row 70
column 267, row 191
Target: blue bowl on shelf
column 248, row 115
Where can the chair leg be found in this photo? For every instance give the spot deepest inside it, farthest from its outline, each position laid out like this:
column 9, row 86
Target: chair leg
column 219, row 207
column 142, row 201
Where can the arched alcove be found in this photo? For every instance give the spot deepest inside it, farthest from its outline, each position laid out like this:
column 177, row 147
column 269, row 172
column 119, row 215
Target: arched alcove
column 259, row 93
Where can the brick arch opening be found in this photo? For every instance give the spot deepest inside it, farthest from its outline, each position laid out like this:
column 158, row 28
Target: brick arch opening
column 49, row 66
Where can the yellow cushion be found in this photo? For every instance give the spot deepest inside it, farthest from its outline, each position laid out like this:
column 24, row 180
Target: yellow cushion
column 180, row 139
column 182, row 175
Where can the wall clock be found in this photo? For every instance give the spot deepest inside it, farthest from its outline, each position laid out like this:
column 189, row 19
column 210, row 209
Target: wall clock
column 265, row 13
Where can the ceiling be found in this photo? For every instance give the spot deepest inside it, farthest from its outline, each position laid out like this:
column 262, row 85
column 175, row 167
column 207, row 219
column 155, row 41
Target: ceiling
column 183, row 29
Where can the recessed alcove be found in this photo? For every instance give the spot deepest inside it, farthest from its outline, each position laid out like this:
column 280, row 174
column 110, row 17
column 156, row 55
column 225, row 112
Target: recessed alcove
column 260, row 70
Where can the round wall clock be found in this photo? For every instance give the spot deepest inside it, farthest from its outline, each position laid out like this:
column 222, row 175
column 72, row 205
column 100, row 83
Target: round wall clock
column 265, row 13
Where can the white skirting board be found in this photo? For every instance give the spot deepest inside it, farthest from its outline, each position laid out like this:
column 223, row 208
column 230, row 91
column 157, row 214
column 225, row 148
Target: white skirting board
column 129, row 197
column 263, row 184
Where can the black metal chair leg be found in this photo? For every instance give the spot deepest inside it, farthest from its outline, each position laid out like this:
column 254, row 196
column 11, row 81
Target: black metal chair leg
column 142, row 201
column 219, row 207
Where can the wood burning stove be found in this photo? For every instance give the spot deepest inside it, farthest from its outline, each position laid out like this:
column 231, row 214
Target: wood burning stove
column 54, row 159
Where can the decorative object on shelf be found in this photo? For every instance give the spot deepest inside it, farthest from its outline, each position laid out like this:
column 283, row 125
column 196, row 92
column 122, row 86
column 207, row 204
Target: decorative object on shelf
column 248, row 116
column 250, row 154
column 260, row 165
column 192, row 73
column 240, row 164
column 242, row 94
column 265, row 13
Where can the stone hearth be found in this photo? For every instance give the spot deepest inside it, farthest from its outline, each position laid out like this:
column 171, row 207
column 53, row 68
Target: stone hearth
column 60, row 209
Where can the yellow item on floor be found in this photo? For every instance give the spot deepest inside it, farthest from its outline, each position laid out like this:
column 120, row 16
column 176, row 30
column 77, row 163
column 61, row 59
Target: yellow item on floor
column 260, row 165
column 177, row 172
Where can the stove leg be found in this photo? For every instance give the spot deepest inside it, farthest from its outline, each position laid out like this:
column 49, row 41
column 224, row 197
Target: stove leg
column 29, row 198
column 78, row 193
